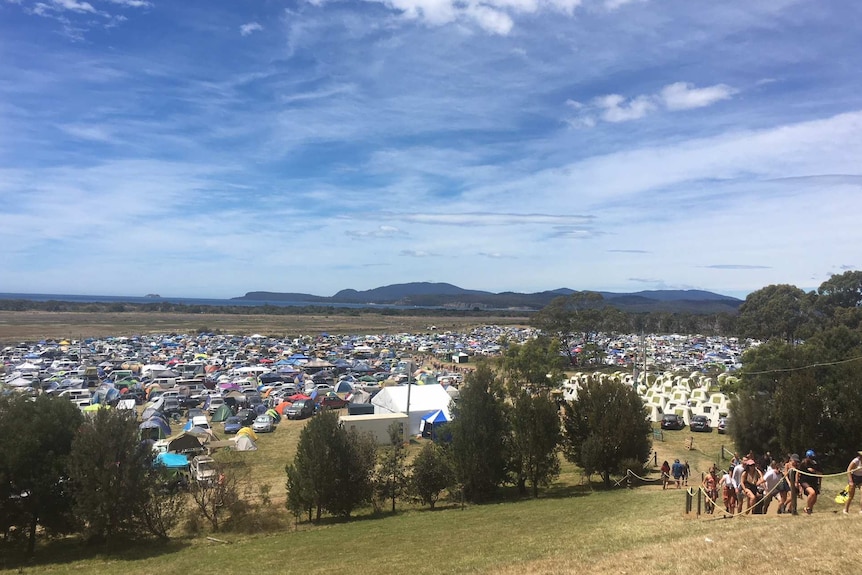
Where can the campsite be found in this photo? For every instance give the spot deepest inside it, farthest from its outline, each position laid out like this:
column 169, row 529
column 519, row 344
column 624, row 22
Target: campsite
column 575, row 524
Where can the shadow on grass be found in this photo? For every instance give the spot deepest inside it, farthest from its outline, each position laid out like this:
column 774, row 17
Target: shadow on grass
column 73, row 549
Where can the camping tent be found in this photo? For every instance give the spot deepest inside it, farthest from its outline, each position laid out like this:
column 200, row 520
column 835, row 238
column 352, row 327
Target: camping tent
column 185, row 443
column 154, row 428
column 222, row 413
column 432, row 421
column 245, row 443
column 424, row 400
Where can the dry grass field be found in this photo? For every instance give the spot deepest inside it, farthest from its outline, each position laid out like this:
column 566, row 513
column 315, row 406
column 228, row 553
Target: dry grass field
column 20, row 326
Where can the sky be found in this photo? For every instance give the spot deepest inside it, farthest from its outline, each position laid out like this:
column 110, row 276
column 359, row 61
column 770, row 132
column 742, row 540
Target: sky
column 206, row 148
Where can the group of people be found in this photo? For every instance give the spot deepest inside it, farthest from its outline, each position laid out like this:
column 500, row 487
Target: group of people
column 679, row 471
column 751, row 483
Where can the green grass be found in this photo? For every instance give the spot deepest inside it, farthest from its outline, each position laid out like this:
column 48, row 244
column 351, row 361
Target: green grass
column 572, row 528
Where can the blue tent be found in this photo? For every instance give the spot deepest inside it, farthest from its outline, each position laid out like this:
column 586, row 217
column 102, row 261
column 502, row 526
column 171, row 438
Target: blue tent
column 431, row 422
column 172, row 460
column 155, row 426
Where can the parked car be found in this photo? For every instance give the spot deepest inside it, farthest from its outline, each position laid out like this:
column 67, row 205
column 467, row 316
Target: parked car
column 216, row 401
column 263, row 424
column 202, row 468
column 700, row 423
column 195, row 412
column 722, row 425
column 171, row 406
column 232, row 425
column 246, row 416
column 672, row 421
column 300, row 409
column 201, row 421
column 331, row 401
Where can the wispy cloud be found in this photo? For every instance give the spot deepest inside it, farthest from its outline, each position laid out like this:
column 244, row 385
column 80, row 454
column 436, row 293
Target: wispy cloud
column 250, row 28
column 737, row 267
column 417, row 254
column 380, row 232
column 491, row 16
column 628, row 251
column 684, row 96
column 674, row 97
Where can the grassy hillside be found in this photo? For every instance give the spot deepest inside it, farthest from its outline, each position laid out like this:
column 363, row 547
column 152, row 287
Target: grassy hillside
column 572, row 528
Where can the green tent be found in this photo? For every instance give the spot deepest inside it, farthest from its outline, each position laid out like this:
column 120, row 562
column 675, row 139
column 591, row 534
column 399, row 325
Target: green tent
column 222, row 413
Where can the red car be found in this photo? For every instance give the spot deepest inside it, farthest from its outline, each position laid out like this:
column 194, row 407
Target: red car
column 331, row 401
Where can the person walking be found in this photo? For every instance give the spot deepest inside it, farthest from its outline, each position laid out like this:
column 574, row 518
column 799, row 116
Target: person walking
column 728, row 491
column 854, row 480
column 677, row 470
column 751, row 478
column 710, row 486
column 665, row 474
column 809, row 481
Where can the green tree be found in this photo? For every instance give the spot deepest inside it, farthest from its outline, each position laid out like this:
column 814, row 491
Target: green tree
column 431, row 473
column 35, row 443
column 792, row 397
column 604, row 427
column 535, row 423
column 354, row 484
column 573, row 319
column 537, row 364
column 841, row 291
column 391, row 473
column 478, row 432
column 112, row 475
column 777, row 311
column 332, row 469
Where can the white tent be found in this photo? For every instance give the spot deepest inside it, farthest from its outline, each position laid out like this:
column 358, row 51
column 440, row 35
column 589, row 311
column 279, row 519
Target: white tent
column 424, row 400
column 245, row 443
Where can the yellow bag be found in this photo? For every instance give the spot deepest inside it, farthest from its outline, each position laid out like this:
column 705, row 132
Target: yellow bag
column 843, row 495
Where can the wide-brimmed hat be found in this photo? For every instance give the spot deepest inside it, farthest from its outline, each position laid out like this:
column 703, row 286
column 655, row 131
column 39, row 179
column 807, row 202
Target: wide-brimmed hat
column 795, row 457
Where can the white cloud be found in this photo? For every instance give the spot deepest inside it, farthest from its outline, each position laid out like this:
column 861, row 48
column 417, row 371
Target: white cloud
column 75, row 6
column 132, row 3
column 249, row 28
column 616, row 108
column 88, row 132
column 493, row 16
column 684, row 96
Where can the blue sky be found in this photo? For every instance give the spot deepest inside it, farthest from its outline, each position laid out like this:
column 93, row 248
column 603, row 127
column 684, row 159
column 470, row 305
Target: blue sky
column 205, row 148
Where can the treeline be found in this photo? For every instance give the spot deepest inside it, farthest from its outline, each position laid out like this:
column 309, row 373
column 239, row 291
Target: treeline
column 800, row 390
column 501, row 435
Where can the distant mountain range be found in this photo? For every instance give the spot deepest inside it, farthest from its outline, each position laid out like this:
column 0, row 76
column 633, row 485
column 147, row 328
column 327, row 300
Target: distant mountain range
column 427, row 294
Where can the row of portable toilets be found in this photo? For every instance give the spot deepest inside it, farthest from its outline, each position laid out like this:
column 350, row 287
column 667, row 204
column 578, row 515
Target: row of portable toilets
column 668, row 392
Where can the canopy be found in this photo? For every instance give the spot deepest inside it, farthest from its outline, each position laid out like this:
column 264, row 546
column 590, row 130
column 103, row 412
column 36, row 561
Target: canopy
column 184, row 442
column 436, row 417
column 424, row 400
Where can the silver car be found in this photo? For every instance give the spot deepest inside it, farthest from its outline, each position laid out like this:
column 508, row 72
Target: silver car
column 263, row 424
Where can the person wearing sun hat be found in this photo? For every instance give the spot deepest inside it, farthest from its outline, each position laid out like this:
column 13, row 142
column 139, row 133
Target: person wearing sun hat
column 854, row 480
